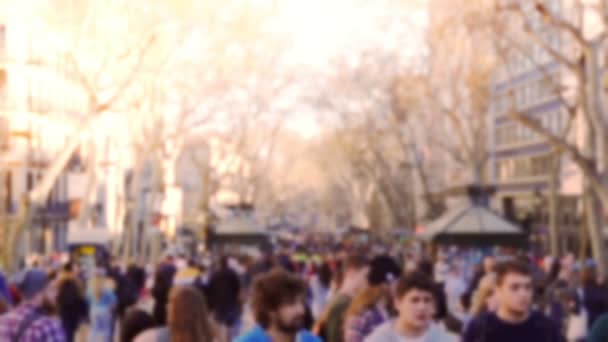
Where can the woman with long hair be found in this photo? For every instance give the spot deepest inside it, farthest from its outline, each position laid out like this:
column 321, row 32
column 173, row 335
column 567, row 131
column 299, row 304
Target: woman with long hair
column 102, row 302
column 367, row 311
column 188, row 316
column 483, row 298
column 135, row 321
column 188, row 319
column 371, row 308
column 71, row 304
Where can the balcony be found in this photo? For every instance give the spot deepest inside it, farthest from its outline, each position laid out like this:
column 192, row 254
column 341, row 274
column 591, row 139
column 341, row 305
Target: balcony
column 54, row 211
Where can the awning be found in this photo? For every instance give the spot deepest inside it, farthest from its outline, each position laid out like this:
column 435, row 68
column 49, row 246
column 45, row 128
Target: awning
column 474, row 225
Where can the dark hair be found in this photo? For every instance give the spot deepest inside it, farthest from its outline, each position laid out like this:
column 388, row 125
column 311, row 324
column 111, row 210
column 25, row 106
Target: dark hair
column 135, row 321
column 355, row 262
column 383, row 269
column 325, row 274
column 272, row 290
column 414, row 280
column 465, row 301
column 511, row 267
column 68, row 267
column 589, row 277
column 426, row 267
column 556, row 267
column 224, row 262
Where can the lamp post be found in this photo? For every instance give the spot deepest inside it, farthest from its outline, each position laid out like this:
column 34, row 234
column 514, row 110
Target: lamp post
column 537, row 223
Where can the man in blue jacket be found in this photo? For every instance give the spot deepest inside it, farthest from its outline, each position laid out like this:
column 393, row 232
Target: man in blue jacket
column 278, row 308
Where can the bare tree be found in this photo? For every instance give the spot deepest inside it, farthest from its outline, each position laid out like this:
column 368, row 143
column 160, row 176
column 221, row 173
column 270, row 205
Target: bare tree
column 580, row 31
column 103, row 67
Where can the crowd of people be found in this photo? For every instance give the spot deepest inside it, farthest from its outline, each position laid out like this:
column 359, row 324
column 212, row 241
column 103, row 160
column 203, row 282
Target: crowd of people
column 341, row 295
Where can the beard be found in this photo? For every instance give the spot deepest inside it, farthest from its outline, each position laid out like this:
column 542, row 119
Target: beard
column 291, row 326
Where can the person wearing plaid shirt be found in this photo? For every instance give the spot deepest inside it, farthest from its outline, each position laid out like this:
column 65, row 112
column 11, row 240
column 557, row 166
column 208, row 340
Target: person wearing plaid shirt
column 29, row 322
column 357, row 327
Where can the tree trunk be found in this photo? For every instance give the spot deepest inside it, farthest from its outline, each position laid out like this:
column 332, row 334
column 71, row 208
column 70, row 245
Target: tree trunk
column 134, row 208
column 23, row 218
column 595, row 224
column 583, row 236
column 22, row 221
column 152, row 238
column 90, row 191
column 595, row 133
column 554, row 205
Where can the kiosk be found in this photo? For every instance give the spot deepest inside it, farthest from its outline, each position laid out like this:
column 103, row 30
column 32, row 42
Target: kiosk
column 89, row 248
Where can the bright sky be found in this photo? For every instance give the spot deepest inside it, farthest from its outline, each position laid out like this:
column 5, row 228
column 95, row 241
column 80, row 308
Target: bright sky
column 322, row 29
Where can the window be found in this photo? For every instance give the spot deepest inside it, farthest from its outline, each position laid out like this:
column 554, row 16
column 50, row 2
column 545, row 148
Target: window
column 524, row 167
column 2, row 41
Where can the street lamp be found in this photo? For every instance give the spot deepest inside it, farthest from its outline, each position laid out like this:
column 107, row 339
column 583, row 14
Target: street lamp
column 537, row 223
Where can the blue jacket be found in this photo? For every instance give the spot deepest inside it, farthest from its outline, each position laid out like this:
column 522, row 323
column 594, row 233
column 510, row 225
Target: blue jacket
column 258, row 334
column 4, row 292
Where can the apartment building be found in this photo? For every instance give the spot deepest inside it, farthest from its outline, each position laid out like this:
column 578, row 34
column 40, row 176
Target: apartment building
column 37, row 97
column 533, row 83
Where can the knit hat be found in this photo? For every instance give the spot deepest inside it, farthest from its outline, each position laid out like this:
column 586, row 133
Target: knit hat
column 32, row 282
column 383, row 269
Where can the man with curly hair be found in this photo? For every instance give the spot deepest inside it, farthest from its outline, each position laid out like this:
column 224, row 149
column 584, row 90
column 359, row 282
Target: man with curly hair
column 277, row 304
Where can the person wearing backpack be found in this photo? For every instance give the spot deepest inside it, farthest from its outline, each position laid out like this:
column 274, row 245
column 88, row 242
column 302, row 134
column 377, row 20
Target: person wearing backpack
column 32, row 320
column 513, row 320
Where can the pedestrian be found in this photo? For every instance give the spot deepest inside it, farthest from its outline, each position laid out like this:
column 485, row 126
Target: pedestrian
column 487, row 268
column 593, row 296
column 513, row 320
column 71, row 304
column 224, row 296
column 5, row 294
column 33, row 320
column 137, row 276
column 331, row 324
column 320, row 285
column 441, row 311
column 102, row 305
column 125, row 290
column 484, row 298
column 278, row 308
column 415, row 299
column 187, row 275
column 599, row 330
column 371, row 307
column 441, row 268
column 558, row 294
column 163, row 280
column 454, row 287
column 188, row 319
column 135, row 322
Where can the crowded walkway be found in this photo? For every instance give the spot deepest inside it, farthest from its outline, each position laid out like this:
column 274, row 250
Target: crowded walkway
column 364, row 294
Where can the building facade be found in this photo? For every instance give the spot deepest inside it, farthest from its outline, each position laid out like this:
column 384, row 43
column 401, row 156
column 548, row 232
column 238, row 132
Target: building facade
column 37, row 97
column 522, row 162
